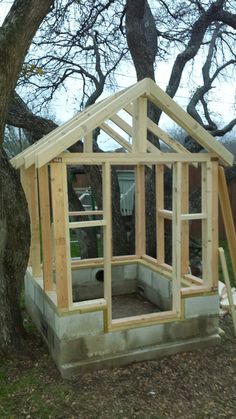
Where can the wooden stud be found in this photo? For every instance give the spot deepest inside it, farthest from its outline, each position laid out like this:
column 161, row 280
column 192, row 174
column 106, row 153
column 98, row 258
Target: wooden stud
column 61, row 234
column 88, row 143
column 167, row 214
column 44, row 203
column 34, row 218
column 139, row 143
column 228, row 286
column 84, row 213
column 215, row 223
column 227, row 218
column 207, row 223
column 116, row 136
column 25, row 186
column 183, row 119
column 107, row 240
column 140, row 223
column 176, row 236
column 185, row 224
column 82, row 224
column 20, row 159
column 159, row 219
column 92, row 120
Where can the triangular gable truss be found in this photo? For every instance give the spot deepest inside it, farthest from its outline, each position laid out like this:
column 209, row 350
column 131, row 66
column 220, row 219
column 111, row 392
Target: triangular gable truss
column 133, row 101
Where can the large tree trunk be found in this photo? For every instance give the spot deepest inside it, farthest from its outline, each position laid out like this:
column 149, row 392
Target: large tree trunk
column 14, row 253
column 141, row 35
column 16, row 35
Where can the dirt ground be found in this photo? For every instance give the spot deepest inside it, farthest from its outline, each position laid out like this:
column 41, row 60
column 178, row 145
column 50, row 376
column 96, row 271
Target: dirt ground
column 199, row 385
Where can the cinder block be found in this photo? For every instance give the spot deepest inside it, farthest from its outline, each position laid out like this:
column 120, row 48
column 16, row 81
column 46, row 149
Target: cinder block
column 39, row 298
column 80, row 276
column 130, row 271
column 76, row 325
column 144, row 336
column 107, row 344
column 145, row 275
column 200, row 306
column 49, row 314
column 117, row 273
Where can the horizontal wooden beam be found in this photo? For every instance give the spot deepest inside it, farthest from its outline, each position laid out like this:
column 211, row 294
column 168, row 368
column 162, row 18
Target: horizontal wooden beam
column 165, row 214
column 85, row 213
column 132, row 158
column 85, row 224
column 197, row 216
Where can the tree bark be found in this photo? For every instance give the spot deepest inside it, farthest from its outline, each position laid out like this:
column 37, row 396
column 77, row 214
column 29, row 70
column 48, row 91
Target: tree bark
column 141, row 36
column 16, row 35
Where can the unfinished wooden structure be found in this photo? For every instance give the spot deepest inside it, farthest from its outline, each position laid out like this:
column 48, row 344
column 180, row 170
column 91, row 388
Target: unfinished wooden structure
column 44, row 167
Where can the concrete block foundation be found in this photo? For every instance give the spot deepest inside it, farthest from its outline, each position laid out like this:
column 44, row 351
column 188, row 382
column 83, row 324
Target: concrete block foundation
column 78, row 343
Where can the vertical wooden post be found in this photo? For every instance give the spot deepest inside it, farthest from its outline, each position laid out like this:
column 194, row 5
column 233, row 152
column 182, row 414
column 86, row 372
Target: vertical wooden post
column 34, row 218
column 228, row 286
column 140, row 125
column 215, row 224
column 107, row 239
column 160, row 220
column 44, row 203
column 88, row 143
column 207, row 223
column 140, row 219
column 25, row 186
column 227, row 217
column 185, row 224
column 61, row 234
column 176, row 236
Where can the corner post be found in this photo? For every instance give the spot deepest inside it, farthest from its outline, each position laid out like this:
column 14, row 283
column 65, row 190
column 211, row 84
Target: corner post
column 61, row 234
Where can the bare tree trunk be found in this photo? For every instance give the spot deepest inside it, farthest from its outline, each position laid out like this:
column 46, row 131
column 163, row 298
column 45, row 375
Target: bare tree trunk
column 141, row 35
column 14, row 253
column 17, row 32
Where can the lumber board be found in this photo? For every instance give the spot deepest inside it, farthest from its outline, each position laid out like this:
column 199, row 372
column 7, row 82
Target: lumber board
column 228, row 286
column 25, row 186
column 145, row 319
column 86, row 224
column 61, row 235
column 185, row 223
column 116, row 136
column 107, row 240
column 139, row 132
column 85, row 213
column 132, row 158
column 176, row 236
column 190, row 125
column 34, row 218
column 88, row 143
column 140, row 219
column 19, row 160
column 207, row 223
column 44, row 203
column 159, row 177
column 227, row 218
column 215, row 223
column 165, row 214
column 92, row 121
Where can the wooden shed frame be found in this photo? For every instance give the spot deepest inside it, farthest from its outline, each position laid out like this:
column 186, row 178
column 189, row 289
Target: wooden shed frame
column 50, row 155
